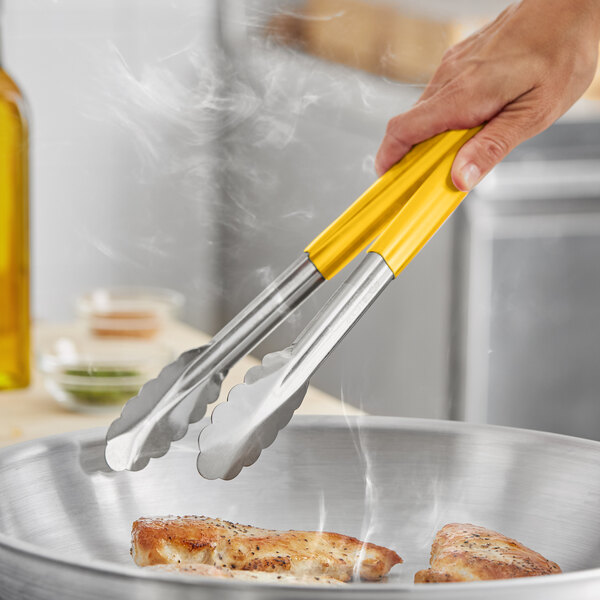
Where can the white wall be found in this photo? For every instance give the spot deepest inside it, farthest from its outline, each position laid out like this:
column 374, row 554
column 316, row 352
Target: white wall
column 122, row 159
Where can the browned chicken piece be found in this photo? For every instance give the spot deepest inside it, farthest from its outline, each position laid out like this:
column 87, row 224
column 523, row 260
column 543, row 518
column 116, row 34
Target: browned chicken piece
column 465, row 552
column 201, row 570
column 182, row 540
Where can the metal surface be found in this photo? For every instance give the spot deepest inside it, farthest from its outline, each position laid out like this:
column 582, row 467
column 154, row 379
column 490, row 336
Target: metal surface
column 64, row 528
column 259, row 408
column 165, row 406
column 527, row 305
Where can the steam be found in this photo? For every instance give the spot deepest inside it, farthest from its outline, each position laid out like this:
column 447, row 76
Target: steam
column 179, row 107
column 195, row 122
column 322, row 512
column 370, row 517
column 198, row 127
column 190, row 101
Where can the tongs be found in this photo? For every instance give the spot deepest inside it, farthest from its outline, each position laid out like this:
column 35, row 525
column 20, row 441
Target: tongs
column 409, row 202
column 259, row 408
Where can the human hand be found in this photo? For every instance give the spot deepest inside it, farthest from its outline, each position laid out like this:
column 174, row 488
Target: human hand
column 519, row 74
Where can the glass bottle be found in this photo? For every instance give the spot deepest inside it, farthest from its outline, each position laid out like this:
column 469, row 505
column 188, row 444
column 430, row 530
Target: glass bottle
column 14, row 237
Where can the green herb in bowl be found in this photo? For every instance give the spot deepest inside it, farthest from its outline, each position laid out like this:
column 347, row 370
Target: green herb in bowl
column 107, row 391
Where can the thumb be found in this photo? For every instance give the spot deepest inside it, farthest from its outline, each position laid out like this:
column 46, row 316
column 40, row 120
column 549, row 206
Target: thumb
column 486, row 149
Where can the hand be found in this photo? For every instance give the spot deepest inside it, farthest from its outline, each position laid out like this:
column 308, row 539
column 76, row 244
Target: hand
column 519, row 74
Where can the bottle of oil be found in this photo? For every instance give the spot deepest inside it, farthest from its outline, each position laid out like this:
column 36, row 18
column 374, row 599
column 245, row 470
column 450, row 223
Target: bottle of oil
column 14, row 237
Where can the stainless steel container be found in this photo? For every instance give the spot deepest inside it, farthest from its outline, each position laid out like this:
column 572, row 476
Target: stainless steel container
column 527, row 310
column 64, row 525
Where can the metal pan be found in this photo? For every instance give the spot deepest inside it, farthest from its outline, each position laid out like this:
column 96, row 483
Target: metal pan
column 64, row 525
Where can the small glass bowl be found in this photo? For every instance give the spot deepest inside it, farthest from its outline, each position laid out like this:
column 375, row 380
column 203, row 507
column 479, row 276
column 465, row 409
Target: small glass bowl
column 128, row 312
column 96, row 375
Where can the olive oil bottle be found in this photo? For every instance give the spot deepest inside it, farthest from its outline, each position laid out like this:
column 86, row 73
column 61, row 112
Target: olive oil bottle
column 14, row 237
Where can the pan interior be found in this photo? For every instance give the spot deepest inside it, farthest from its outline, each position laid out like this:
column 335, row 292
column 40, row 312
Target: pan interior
column 389, row 481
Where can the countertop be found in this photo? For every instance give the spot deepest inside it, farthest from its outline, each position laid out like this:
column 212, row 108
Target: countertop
column 31, row 413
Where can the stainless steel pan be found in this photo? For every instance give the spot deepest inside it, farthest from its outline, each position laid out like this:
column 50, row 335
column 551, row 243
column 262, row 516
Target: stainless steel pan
column 64, row 525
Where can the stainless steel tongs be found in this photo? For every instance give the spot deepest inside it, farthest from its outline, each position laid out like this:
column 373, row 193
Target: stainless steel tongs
column 259, row 408
column 407, row 200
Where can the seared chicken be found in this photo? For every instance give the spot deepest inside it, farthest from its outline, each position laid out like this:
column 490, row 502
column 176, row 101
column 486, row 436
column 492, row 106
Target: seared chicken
column 184, row 540
column 464, row 552
column 201, row 570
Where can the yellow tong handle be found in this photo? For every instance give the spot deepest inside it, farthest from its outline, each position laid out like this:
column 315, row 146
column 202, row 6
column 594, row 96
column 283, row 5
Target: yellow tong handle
column 423, row 213
column 360, row 224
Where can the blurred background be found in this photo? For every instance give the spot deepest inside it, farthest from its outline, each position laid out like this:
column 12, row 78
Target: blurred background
column 199, row 145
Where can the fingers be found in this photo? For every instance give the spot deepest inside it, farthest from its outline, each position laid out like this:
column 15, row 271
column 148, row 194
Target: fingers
column 459, row 95
column 503, row 133
column 514, row 74
column 427, row 118
column 404, row 131
column 513, row 115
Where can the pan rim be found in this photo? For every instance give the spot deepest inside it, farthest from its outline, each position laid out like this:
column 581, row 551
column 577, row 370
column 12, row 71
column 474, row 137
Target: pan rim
column 103, row 567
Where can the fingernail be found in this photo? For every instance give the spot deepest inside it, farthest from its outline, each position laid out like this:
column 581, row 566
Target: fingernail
column 470, row 175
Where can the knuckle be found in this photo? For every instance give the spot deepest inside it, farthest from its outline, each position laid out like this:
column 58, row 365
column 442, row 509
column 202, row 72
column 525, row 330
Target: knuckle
column 394, row 130
column 453, row 52
column 450, row 65
column 448, row 55
column 545, row 113
column 586, row 66
column 495, row 147
column 392, row 125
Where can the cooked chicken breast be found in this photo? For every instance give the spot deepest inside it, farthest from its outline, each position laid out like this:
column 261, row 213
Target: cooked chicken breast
column 183, row 540
column 201, row 570
column 465, row 552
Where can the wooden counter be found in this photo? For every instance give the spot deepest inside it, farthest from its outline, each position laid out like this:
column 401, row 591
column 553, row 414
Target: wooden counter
column 30, row 413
